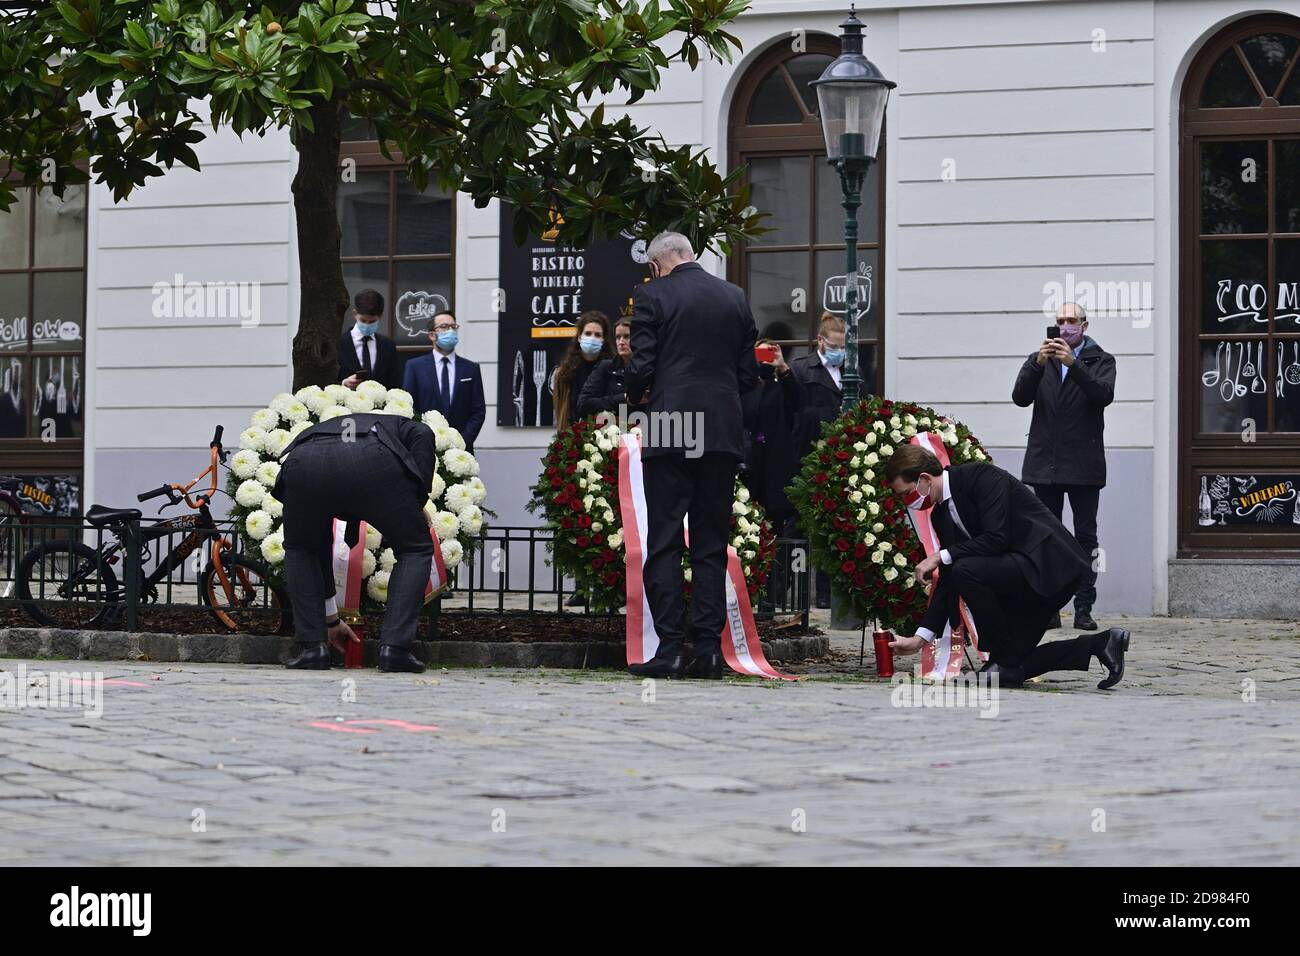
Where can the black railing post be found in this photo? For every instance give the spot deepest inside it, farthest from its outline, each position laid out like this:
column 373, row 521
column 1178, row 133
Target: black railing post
column 131, row 568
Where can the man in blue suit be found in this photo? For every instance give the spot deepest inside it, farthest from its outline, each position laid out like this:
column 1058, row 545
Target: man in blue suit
column 445, row 382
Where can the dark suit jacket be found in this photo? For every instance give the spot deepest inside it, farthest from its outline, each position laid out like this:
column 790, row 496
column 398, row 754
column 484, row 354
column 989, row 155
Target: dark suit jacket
column 693, row 351
column 468, row 407
column 409, row 439
column 605, row 388
column 1004, row 516
column 1065, row 435
column 820, row 400
column 383, row 359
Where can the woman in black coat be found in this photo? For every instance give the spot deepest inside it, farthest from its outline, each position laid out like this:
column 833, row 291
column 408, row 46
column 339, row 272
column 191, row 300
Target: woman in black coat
column 589, row 347
column 606, row 390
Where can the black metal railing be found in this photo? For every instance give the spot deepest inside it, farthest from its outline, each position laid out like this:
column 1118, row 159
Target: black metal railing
column 159, row 563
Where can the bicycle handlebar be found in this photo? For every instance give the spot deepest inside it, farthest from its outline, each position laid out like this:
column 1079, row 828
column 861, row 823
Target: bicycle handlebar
column 216, row 438
column 162, row 490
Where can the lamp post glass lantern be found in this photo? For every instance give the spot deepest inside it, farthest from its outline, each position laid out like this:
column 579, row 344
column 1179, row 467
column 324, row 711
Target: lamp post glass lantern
column 852, row 95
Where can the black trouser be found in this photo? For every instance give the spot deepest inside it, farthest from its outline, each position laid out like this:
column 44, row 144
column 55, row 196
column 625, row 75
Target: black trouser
column 1010, row 617
column 1084, row 500
column 360, row 480
column 701, row 490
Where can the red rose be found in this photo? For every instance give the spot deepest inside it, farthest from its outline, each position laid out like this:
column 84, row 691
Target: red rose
column 848, row 567
column 820, row 477
column 556, row 483
column 596, row 562
column 566, row 522
column 610, row 578
column 829, row 504
column 584, row 521
column 841, row 544
column 860, row 550
column 843, row 455
column 859, row 580
column 570, row 469
column 582, row 541
column 598, row 539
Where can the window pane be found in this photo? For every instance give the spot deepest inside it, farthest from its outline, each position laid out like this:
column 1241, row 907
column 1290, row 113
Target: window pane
column 15, row 232
column 1268, row 54
column 830, row 288
column 1228, row 85
column 368, row 275
column 355, row 129
column 58, row 311
column 1233, row 293
column 1232, row 387
column 423, row 290
column 13, row 397
column 780, row 188
column 830, row 205
column 1234, row 187
column 1286, row 384
column 1287, row 186
column 14, row 324
column 56, row 396
column 1291, row 92
column 771, row 283
column 1286, row 303
column 363, row 215
column 423, row 220
column 61, row 228
column 803, row 70
column 773, row 103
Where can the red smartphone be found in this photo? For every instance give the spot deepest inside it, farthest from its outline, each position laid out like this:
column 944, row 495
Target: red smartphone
column 766, row 353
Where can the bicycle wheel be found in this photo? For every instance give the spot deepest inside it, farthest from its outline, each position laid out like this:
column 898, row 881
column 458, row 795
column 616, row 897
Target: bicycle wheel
column 242, row 596
column 66, row 584
column 11, row 546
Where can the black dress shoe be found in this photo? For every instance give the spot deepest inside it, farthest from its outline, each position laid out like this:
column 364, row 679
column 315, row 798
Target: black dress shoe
column 706, row 666
column 1055, row 622
column 310, row 657
column 1083, row 621
column 671, row 665
column 1007, row 676
column 399, row 660
column 1111, row 655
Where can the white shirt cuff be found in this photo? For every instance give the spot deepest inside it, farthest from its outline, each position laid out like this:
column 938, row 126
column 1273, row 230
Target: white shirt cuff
column 945, row 557
column 925, row 634
column 331, row 607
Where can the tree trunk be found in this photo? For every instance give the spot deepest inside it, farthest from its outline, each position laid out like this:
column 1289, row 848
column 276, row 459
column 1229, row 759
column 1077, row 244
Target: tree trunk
column 324, row 297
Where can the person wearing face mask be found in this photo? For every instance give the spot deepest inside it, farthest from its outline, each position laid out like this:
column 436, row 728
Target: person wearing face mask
column 589, row 347
column 445, row 382
column 819, row 377
column 771, row 409
column 363, row 352
column 606, row 388
column 1012, row 562
column 1069, row 381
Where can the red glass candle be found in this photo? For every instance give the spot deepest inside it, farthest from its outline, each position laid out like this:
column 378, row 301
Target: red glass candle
column 884, row 654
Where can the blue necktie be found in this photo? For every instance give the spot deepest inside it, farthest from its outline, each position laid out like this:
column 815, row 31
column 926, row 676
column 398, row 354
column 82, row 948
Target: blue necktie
column 444, row 387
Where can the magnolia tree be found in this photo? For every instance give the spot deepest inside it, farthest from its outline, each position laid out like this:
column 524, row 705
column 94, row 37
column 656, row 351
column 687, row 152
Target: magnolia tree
column 480, row 96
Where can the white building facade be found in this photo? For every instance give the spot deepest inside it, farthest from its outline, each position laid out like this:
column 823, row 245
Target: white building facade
column 1134, row 154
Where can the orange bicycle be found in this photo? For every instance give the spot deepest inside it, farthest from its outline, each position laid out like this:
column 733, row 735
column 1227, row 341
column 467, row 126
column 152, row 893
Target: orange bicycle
column 66, row 583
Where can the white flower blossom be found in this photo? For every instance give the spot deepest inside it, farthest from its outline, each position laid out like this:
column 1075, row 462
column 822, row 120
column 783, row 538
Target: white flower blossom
column 452, row 552
column 373, row 537
column 273, row 506
column 244, row 462
column 446, row 524
column 458, row 498
column 250, row 493
column 272, row 547
column 460, row 462
column 438, row 486
column 377, row 586
column 890, row 574
column 387, row 559
column 267, row 472
column 252, row 438
column 266, row 419
column 258, row 524
column 471, row 519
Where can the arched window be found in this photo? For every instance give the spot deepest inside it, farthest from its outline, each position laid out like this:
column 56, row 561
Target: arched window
column 1239, row 328
column 776, row 133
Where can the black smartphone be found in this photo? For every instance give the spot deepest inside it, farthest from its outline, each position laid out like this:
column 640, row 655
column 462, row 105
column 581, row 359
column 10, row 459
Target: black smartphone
column 361, row 374
column 1053, row 332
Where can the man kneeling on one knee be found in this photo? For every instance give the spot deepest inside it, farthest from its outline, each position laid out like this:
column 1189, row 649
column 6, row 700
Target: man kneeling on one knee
column 1009, row 559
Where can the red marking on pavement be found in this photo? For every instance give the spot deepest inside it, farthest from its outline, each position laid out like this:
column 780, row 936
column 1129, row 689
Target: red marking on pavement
column 355, row 726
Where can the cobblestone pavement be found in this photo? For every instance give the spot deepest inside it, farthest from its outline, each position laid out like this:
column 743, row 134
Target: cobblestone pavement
column 1179, row 765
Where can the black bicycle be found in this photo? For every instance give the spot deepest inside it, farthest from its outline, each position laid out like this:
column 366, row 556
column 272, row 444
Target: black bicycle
column 66, row 583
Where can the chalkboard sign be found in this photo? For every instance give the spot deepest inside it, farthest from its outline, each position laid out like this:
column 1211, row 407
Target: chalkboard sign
column 1251, row 500
column 546, row 285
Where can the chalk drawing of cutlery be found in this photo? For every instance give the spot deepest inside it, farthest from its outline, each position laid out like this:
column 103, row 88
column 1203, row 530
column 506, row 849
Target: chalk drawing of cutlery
column 1278, row 388
column 1210, row 377
column 539, row 376
column 1226, row 389
column 517, row 388
column 1249, row 368
column 1237, row 386
column 1293, row 370
column 1257, row 383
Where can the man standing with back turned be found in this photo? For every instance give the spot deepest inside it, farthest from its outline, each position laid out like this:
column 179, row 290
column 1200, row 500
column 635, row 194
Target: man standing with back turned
column 693, row 351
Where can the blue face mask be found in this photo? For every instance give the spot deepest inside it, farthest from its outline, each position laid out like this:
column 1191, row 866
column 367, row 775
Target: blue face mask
column 591, row 345
column 368, row 328
column 447, row 340
column 834, row 356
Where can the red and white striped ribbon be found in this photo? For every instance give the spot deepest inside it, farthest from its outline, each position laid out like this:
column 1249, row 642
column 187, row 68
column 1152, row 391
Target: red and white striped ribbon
column 741, row 647
column 941, row 658
column 348, row 562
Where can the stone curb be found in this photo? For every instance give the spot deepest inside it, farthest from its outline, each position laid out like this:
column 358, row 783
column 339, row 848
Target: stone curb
column 46, row 643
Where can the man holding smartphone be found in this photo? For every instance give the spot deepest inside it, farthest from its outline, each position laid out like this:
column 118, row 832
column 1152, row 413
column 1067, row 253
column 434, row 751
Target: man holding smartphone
column 364, row 352
column 1069, row 381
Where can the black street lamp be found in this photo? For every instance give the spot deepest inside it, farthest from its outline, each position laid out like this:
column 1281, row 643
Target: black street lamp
column 852, row 94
